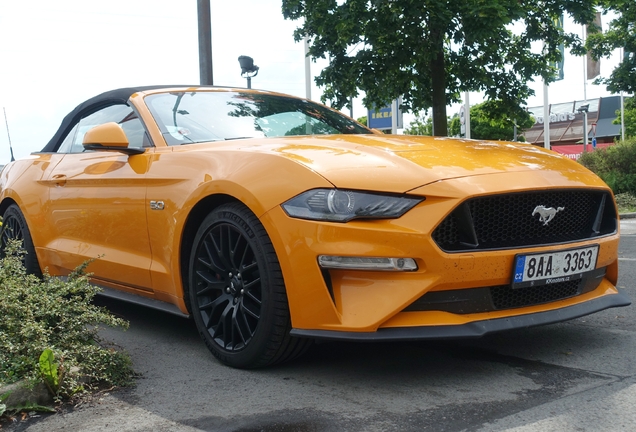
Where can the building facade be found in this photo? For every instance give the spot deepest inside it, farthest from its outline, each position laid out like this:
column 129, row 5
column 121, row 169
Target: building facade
column 567, row 129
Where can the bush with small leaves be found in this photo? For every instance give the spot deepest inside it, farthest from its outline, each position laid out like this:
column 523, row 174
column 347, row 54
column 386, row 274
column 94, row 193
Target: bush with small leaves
column 626, row 202
column 58, row 315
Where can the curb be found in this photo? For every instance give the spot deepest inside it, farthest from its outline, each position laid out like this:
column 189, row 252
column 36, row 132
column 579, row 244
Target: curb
column 21, row 394
column 627, row 216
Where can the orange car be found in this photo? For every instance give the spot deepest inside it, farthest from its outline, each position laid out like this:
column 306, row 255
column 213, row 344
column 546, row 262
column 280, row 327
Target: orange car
column 274, row 221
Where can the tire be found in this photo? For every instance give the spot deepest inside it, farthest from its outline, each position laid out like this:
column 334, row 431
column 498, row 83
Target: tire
column 237, row 293
column 14, row 227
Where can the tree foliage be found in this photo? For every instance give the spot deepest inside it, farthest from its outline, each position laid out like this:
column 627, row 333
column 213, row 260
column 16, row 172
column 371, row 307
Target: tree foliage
column 485, row 125
column 430, row 51
column 621, row 33
column 423, row 125
column 420, row 126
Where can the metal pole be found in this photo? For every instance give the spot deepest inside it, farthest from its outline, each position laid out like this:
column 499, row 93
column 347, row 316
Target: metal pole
column 623, row 103
column 249, row 82
column 585, row 131
column 205, row 42
column 546, row 117
column 467, row 114
column 394, row 116
column 584, row 95
column 623, row 117
column 307, row 70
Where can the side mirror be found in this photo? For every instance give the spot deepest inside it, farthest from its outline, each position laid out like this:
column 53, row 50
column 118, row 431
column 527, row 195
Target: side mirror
column 108, row 136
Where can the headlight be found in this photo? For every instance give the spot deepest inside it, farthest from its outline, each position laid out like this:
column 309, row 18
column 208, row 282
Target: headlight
column 343, row 205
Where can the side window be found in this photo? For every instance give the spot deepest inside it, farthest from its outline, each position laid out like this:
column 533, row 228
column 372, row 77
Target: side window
column 134, row 130
column 123, row 115
column 65, row 147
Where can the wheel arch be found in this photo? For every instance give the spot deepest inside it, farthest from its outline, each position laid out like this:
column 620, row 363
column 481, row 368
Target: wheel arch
column 255, row 188
column 6, row 203
column 23, row 234
column 196, row 216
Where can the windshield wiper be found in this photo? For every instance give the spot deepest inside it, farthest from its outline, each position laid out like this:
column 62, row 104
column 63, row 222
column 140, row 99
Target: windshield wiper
column 238, row 138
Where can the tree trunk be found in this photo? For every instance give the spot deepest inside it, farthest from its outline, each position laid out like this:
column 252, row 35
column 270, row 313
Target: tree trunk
column 438, row 73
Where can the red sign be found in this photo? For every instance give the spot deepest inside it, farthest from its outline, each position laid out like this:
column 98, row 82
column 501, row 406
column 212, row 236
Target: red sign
column 574, row 151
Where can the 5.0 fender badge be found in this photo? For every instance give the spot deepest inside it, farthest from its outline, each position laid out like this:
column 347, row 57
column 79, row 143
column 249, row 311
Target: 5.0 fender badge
column 157, row 205
column 546, row 214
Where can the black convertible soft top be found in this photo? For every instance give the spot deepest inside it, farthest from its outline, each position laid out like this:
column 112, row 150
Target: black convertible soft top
column 112, row 97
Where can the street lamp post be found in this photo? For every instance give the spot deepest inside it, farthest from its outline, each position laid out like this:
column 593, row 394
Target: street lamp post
column 205, row 42
column 248, row 69
column 584, row 109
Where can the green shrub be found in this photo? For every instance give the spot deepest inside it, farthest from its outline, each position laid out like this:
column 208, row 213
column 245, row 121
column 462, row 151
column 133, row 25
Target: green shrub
column 55, row 314
column 626, row 202
column 616, row 165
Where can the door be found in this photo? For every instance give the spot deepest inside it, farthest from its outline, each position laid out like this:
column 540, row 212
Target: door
column 97, row 207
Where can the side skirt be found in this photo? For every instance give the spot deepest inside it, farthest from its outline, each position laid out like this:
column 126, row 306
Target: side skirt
column 142, row 301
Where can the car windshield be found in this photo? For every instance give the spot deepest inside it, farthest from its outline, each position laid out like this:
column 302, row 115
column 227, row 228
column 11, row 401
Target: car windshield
column 192, row 117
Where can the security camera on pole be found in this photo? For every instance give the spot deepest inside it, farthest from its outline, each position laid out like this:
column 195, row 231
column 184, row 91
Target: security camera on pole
column 248, row 68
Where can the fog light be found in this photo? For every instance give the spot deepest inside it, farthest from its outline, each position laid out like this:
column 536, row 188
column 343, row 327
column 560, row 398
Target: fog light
column 366, row 263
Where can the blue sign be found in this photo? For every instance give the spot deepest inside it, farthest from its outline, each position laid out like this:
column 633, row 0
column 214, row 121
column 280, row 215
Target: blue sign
column 594, row 142
column 382, row 118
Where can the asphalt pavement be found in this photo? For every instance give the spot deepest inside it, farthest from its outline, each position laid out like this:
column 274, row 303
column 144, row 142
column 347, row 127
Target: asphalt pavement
column 574, row 376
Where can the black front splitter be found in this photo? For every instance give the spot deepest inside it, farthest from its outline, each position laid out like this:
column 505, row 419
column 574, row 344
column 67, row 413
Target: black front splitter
column 473, row 329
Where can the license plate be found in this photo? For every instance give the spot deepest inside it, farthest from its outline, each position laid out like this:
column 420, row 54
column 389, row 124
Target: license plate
column 553, row 267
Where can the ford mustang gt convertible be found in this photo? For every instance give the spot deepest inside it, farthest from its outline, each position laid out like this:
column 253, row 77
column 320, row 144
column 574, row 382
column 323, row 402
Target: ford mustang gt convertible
column 274, row 221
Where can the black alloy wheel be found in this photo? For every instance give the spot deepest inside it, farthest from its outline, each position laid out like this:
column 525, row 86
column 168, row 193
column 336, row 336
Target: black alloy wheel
column 237, row 293
column 228, row 287
column 14, row 227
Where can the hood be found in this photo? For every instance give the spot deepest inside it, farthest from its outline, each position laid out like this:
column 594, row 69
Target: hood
column 401, row 163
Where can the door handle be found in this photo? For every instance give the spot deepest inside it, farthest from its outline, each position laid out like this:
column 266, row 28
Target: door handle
column 59, row 179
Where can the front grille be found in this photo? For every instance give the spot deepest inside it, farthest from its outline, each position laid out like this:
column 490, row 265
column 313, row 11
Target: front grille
column 507, row 221
column 488, row 299
column 504, row 297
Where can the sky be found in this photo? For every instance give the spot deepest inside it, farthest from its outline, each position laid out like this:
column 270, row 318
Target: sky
column 56, row 54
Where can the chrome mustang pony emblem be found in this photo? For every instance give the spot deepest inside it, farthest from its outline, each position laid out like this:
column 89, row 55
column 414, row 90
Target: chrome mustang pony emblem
column 546, row 214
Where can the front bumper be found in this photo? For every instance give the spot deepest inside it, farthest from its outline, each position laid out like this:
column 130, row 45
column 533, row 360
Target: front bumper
column 472, row 329
column 340, row 303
